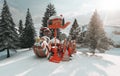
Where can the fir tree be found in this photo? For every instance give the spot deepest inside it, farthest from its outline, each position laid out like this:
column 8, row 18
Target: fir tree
column 78, row 35
column 20, row 27
column 28, row 34
column 81, row 35
column 50, row 11
column 62, row 36
column 8, row 34
column 95, row 35
column 74, row 31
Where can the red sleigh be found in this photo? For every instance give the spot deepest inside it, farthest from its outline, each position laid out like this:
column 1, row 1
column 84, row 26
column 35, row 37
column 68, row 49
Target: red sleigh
column 57, row 50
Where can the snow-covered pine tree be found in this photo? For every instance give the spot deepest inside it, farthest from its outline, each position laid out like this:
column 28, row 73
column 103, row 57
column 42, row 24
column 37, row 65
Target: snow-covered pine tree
column 81, row 35
column 95, row 35
column 8, row 33
column 20, row 27
column 28, row 34
column 78, row 35
column 62, row 36
column 74, row 31
column 50, row 11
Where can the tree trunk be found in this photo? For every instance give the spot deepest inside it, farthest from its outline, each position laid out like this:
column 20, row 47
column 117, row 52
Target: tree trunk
column 30, row 49
column 8, row 53
column 92, row 51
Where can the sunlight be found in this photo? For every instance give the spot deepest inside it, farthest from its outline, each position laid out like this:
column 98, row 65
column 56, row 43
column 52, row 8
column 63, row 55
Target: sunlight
column 109, row 5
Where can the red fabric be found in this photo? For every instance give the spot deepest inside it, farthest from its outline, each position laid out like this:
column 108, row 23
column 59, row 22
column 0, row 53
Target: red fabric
column 38, row 51
column 55, row 58
column 35, row 50
column 69, row 51
column 56, row 19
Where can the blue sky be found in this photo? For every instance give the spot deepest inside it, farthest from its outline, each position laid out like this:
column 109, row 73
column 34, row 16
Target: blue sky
column 70, row 9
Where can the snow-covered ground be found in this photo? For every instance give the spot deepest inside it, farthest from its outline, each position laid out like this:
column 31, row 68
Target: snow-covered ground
column 25, row 63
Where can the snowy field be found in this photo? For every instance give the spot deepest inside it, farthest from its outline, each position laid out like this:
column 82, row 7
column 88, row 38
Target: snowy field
column 25, row 63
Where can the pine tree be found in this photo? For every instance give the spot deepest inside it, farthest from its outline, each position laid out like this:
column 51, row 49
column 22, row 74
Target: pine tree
column 8, row 32
column 63, row 36
column 20, row 27
column 95, row 35
column 28, row 34
column 50, row 11
column 78, row 35
column 74, row 31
